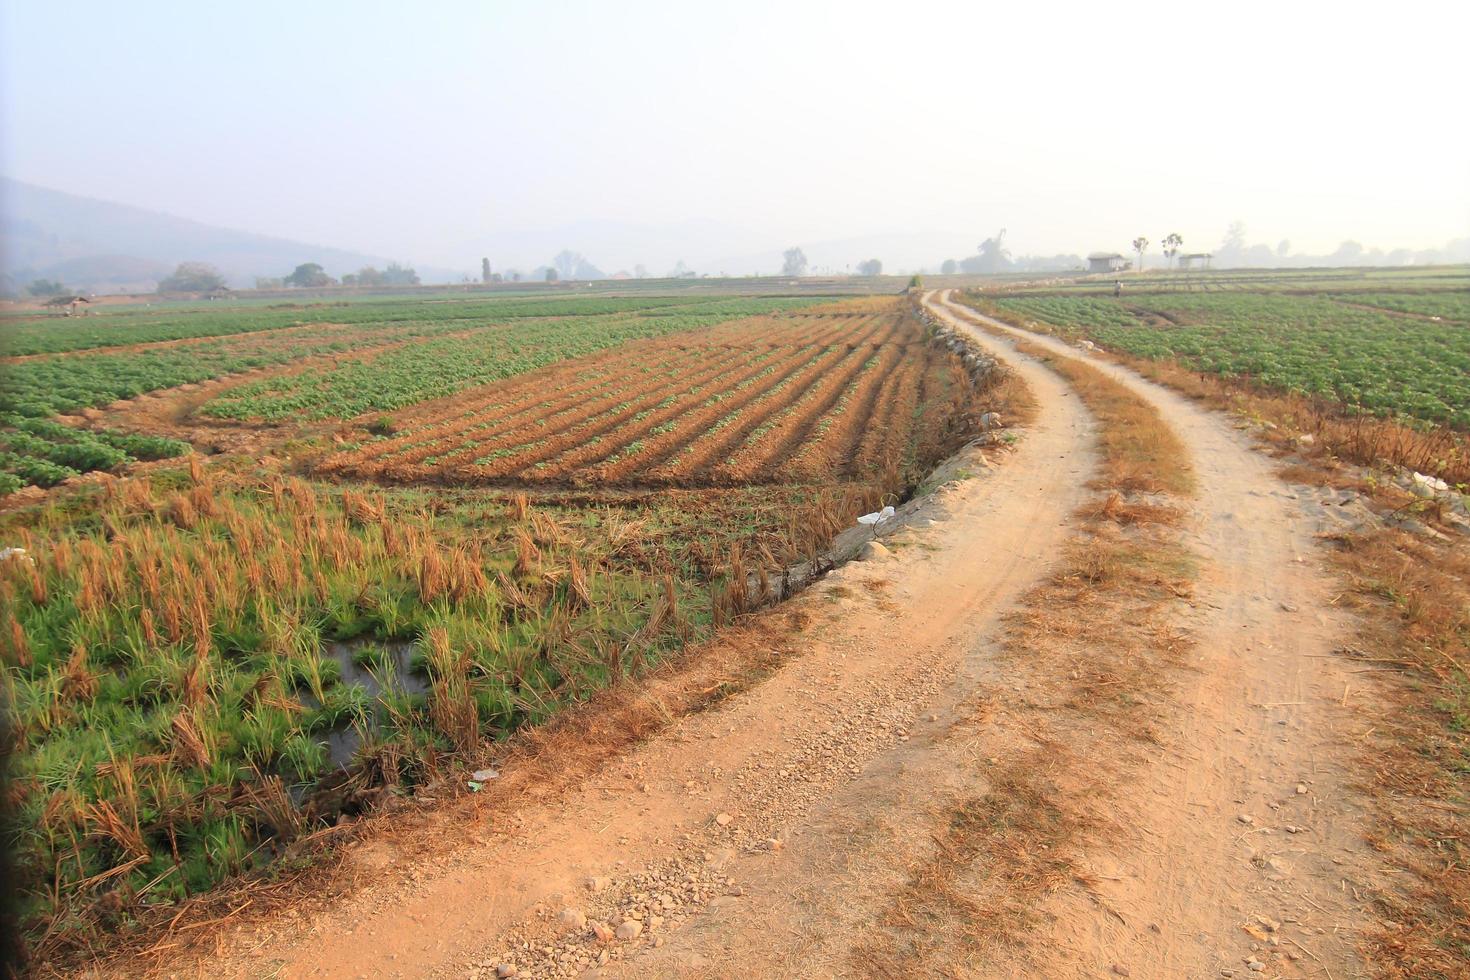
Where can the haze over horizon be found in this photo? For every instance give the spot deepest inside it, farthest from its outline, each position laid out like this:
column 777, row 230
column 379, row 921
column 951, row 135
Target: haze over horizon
column 468, row 129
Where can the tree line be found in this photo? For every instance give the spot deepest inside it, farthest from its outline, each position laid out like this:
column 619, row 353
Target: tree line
column 310, row 275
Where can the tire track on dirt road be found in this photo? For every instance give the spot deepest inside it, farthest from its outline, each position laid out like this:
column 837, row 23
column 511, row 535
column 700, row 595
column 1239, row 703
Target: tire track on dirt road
column 1253, row 835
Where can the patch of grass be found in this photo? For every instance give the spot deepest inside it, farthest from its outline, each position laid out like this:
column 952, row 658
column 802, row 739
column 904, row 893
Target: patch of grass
column 1141, row 454
column 1413, row 597
column 994, row 856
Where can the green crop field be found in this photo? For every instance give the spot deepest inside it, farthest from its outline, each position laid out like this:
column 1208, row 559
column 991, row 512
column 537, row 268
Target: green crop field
column 1446, row 305
column 1391, row 353
column 1433, row 279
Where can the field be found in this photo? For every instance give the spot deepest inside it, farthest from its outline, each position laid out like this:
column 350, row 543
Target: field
column 1442, row 280
column 493, row 511
column 127, row 325
column 1372, row 346
column 322, row 361
column 794, row 399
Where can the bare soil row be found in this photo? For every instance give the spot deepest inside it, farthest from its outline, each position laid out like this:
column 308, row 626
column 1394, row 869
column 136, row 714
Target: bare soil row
column 805, row 398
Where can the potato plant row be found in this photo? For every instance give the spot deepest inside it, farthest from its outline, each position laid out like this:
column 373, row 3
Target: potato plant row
column 1444, row 304
column 44, row 452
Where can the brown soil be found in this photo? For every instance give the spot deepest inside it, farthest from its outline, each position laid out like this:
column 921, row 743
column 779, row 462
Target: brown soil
column 421, row 428
column 878, row 446
column 696, row 418
column 580, row 425
column 581, row 460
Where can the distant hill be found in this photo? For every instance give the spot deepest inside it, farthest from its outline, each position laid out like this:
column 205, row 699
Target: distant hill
column 100, row 246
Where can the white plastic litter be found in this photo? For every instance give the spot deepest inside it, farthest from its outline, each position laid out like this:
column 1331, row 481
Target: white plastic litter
column 876, row 518
column 1432, row 482
column 15, row 554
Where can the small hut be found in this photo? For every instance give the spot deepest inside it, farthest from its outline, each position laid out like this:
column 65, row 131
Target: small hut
column 73, row 304
column 1107, row 262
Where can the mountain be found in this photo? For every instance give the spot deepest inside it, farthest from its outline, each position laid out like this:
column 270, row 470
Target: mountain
column 100, row 246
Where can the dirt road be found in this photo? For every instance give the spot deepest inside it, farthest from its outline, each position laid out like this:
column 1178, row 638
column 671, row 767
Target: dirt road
column 767, row 837
column 1260, row 747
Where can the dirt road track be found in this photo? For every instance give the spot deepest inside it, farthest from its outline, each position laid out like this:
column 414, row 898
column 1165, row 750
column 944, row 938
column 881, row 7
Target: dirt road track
column 1262, row 735
column 829, row 770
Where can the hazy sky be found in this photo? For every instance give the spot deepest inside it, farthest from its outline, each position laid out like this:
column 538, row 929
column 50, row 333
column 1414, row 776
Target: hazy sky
column 430, row 130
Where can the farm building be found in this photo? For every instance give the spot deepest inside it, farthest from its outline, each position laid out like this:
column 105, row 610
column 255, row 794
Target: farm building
column 72, row 303
column 1188, row 261
column 1107, row 262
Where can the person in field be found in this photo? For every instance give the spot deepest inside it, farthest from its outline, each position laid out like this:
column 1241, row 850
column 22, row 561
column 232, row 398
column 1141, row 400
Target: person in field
column 1117, row 288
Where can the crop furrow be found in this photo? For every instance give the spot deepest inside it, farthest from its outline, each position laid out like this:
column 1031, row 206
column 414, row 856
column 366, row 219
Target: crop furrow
column 734, row 424
column 751, row 458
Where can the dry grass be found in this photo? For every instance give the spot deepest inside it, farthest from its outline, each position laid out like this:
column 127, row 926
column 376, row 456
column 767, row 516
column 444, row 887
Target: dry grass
column 1414, row 597
column 1141, row 454
column 860, row 304
column 1126, row 511
column 1013, row 400
column 1336, row 434
column 993, row 857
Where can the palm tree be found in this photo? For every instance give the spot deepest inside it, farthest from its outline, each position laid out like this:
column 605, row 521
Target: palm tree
column 1139, row 244
column 1171, row 246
